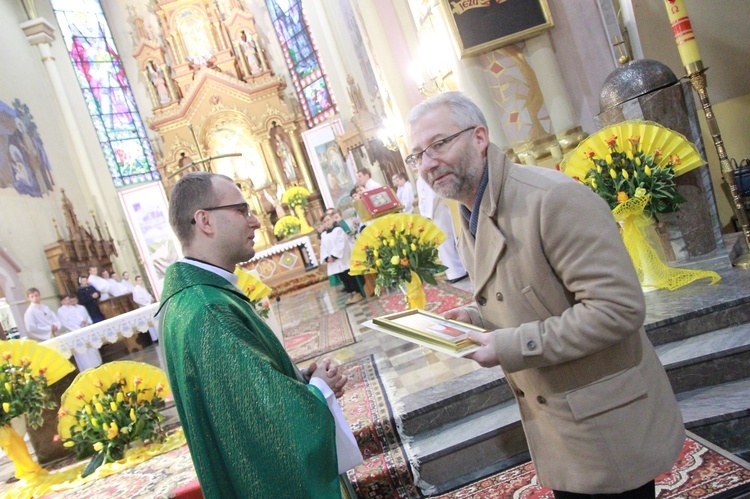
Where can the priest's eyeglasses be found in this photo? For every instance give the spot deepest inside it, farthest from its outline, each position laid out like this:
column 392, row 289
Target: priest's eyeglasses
column 435, row 149
column 242, row 208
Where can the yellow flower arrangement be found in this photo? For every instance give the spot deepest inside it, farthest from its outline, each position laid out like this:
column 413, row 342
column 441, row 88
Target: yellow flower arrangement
column 255, row 290
column 395, row 247
column 107, row 408
column 287, row 226
column 295, row 196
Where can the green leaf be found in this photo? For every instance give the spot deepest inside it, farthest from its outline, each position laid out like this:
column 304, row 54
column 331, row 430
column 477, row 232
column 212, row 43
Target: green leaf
column 95, row 462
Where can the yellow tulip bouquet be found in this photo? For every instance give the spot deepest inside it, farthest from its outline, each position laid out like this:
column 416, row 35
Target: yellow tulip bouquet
column 295, row 196
column 23, row 392
column 105, row 409
column 287, row 226
column 399, row 248
column 255, row 290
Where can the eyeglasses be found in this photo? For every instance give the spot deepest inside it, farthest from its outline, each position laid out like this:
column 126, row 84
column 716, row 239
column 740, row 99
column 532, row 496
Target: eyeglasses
column 242, row 208
column 435, row 149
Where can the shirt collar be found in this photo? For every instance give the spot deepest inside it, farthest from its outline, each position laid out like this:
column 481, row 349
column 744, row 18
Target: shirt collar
column 212, row 268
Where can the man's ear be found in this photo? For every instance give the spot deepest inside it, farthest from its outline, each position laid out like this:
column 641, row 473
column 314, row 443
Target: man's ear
column 203, row 222
column 482, row 138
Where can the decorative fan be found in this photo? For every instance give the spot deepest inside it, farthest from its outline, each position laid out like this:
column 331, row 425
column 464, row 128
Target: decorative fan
column 652, row 137
column 40, row 357
column 251, row 285
column 96, row 381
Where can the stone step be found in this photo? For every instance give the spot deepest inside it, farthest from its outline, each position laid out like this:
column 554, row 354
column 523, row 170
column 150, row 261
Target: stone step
column 707, row 359
column 720, row 414
column 486, row 442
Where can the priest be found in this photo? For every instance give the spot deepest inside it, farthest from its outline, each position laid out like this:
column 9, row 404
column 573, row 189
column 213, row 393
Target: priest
column 255, row 425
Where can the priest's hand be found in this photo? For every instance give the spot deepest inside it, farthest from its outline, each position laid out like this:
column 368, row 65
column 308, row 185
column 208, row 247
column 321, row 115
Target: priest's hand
column 486, row 356
column 329, row 373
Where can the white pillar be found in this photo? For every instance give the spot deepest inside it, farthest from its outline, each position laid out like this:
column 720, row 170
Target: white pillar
column 541, row 57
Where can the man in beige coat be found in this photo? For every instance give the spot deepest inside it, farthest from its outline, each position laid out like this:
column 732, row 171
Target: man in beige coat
column 555, row 288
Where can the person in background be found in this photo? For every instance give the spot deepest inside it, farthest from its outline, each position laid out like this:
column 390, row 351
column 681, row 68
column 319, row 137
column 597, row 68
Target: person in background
column 255, row 425
column 364, row 178
column 100, row 284
column 40, row 321
column 115, row 287
column 140, row 294
column 335, row 251
column 125, row 281
column 558, row 295
column 338, row 219
column 404, row 191
column 88, row 296
column 74, row 317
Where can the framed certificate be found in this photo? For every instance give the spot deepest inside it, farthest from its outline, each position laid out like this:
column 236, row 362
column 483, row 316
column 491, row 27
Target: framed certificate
column 377, row 202
column 429, row 330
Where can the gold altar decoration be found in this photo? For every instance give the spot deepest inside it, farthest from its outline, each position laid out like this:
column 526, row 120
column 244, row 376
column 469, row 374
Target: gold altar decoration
column 687, row 46
column 296, row 197
column 28, row 369
column 106, row 409
column 255, row 290
column 400, row 249
column 287, row 226
column 632, row 166
column 219, row 96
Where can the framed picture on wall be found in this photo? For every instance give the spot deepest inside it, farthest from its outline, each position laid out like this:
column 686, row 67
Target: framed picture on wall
column 481, row 26
column 333, row 172
column 147, row 213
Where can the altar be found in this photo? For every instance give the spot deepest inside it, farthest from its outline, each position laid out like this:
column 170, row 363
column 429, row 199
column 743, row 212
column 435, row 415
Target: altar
column 291, row 261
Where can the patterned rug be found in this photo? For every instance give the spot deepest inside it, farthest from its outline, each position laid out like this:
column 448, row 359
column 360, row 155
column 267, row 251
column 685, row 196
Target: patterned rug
column 698, row 472
column 385, row 472
column 439, row 299
column 318, row 335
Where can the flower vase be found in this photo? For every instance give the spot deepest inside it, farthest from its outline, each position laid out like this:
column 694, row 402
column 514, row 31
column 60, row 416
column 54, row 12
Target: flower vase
column 415, row 297
column 304, row 227
column 16, row 450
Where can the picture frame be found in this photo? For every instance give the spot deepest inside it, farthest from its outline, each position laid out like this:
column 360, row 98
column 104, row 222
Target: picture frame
column 486, row 25
column 429, row 330
column 147, row 213
column 335, row 173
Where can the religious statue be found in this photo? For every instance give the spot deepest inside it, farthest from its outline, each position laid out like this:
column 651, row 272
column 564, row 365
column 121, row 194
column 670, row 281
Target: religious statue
column 249, row 51
column 156, row 77
column 355, row 94
column 287, row 160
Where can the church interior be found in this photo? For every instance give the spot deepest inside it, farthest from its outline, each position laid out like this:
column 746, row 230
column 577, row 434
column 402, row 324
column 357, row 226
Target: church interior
column 107, row 104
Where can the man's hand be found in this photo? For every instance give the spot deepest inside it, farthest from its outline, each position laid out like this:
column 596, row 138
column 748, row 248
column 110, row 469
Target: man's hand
column 486, row 356
column 329, row 373
column 458, row 314
column 308, row 371
column 95, row 295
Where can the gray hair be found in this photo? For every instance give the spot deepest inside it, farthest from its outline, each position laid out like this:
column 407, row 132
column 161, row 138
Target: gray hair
column 464, row 112
column 193, row 192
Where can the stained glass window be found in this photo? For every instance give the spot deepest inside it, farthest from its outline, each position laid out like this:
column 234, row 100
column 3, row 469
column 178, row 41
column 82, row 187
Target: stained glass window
column 309, row 78
column 106, row 91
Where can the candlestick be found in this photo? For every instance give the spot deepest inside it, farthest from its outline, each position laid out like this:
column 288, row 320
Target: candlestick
column 691, row 59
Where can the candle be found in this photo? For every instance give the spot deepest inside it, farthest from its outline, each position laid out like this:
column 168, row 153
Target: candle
column 683, row 32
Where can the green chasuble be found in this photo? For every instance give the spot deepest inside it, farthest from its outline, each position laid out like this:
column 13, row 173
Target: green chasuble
column 254, row 429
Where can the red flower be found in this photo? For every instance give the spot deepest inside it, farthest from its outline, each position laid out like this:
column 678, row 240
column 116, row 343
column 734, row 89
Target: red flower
column 612, row 141
column 635, row 140
column 56, row 438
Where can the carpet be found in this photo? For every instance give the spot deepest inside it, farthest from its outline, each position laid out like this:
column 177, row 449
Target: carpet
column 698, row 472
column 439, row 299
column 385, row 472
column 318, row 335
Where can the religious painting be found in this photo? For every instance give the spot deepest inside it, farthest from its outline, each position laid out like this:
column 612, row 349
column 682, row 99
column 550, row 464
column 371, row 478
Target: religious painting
column 334, row 173
column 148, row 217
column 479, row 26
column 24, row 165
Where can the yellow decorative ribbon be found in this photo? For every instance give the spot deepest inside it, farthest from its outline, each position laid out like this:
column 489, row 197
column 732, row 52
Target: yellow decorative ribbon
column 652, row 272
column 304, row 227
column 16, row 450
column 40, row 484
column 415, row 296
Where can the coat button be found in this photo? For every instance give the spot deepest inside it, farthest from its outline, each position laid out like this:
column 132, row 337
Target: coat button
column 482, row 301
column 541, row 400
column 519, row 393
column 531, row 345
column 499, row 296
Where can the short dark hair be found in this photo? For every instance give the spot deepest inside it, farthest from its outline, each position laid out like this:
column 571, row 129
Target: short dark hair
column 402, row 176
column 364, row 171
column 191, row 193
column 31, row 290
